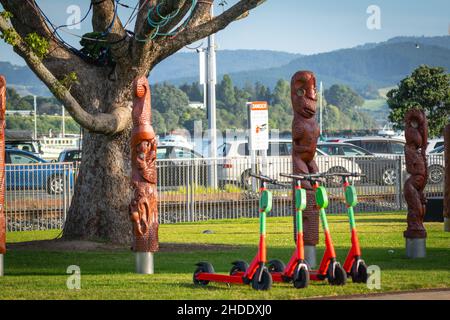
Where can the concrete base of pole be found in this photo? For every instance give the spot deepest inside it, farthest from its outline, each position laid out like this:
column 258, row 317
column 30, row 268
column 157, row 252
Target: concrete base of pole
column 446, row 224
column 416, row 248
column 2, row 270
column 310, row 256
column 144, row 263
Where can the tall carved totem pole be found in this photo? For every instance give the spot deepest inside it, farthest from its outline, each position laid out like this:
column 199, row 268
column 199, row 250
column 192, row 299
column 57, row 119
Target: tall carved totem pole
column 305, row 134
column 416, row 136
column 447, row 179
column 143, row 207
column 2, row 171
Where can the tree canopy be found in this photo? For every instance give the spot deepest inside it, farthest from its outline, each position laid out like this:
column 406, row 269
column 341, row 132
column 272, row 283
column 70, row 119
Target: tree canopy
column 343, row 97
column 427, row 88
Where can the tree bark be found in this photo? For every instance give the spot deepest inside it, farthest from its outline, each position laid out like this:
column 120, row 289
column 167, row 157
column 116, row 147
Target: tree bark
column 99, row 208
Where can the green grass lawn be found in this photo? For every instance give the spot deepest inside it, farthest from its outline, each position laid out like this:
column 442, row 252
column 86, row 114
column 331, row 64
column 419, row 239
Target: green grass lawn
column 109, row 274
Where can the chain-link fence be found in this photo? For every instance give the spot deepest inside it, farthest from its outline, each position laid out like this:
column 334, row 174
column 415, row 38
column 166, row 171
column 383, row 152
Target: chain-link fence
column 38, row 196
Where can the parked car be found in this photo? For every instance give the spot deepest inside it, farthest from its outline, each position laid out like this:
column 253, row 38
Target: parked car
column 70, row 155
column 438, row 150
column 24, row 170
column 22, row 140
column 377, row 169
column 436, row 165
column 174, row 169
column 379, row 145
column 236, row 165
column 434, row 144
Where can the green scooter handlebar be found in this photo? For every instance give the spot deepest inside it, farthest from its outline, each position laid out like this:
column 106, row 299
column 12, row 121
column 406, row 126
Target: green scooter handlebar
column 344, row 174
column 310, row 177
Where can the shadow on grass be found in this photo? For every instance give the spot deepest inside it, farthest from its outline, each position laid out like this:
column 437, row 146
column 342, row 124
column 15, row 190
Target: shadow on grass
column 21, row 263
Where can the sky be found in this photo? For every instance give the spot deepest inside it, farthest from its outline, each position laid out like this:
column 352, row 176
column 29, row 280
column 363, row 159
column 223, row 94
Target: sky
column 297, row 26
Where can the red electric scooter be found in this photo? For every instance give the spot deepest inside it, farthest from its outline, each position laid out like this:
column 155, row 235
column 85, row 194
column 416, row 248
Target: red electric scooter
column 329, row 267
column 257, row 273
column 354, row 265
column 296, row 270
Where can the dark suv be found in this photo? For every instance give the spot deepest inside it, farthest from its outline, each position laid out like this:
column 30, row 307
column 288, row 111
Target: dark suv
column 379, row 145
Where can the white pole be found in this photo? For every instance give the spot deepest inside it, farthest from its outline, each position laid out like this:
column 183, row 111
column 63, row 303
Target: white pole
column 321, row 109
column 63, row 123
column 35, row 118
column 211, row 101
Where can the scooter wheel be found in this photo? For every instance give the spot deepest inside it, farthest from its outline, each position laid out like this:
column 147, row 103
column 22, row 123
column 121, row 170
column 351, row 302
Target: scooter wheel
column 238, row 266
column 359, row 272
column 340, row 276
column 262, row 279
column 301, row 277
column 202, row 267
column 276, row 266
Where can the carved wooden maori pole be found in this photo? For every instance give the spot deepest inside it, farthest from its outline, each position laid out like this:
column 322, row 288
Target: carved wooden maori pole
column 2, row 171
column 143, row 207
column 305, row 134
column 447, row 179
column 416, row 136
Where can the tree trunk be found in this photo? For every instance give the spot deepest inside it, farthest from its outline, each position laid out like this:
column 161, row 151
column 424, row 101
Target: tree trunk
column 99, row 208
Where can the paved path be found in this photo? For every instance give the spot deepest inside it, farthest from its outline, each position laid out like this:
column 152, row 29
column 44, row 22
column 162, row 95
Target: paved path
column 413, row 295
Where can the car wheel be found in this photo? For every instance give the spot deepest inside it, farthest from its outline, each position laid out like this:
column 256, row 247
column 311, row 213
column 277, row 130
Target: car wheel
column 436, row 174
column 335, row 181
column 389, row 176
column 55, row 185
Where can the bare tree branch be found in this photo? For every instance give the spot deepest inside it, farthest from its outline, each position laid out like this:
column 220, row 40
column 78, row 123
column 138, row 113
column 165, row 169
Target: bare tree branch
column 105, row 19
column 104, row 123
column 27, row 19
column 201, row 14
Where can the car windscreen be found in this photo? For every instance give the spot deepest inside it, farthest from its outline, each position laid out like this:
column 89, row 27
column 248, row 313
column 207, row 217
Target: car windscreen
column 223, row 150
column 24, row 146
column 73, row 156
column 17, row 158
column 331, row 150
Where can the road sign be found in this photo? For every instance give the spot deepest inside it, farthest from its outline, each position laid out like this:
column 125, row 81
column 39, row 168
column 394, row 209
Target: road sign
column 258, row 118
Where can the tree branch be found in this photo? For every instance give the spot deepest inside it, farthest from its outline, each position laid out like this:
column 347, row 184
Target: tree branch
column 27, row 19
column 106, row 20
column 144, row 47
column 104, row 123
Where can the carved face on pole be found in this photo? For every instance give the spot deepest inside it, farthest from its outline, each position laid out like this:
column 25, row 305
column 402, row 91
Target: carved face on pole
column 143, row 207
column 416, row 129
column 303, row 93
column 416, row 136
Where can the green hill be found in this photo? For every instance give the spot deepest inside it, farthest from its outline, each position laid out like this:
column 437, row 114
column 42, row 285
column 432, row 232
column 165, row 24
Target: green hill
column 382, row 66
column 376, row 64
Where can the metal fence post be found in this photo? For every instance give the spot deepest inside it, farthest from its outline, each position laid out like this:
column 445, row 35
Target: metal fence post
column 399, row 189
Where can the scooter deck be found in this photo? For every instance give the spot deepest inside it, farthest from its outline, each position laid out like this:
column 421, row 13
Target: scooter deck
column 236, row 279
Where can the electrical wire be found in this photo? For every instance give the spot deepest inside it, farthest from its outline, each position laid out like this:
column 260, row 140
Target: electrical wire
column 164, row 20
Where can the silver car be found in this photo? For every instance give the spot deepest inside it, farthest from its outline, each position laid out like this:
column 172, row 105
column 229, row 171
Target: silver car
column 236, row 166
